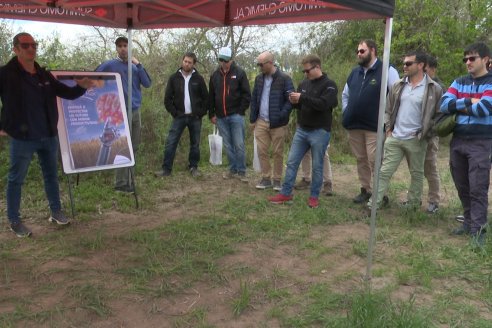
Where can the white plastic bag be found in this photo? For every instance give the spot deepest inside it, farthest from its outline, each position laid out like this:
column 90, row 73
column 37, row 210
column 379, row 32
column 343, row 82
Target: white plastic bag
column 215, row 144
column 256, row 159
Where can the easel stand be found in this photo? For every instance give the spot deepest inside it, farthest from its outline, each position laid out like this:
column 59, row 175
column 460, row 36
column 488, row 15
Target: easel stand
column 77, row 180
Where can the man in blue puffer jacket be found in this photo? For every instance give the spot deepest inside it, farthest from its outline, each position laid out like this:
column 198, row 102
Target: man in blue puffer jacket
column 470, row 97
column 270, row 111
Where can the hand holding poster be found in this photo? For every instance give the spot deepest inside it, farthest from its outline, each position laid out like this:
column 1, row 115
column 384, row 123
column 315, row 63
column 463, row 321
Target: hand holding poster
column 93, row 129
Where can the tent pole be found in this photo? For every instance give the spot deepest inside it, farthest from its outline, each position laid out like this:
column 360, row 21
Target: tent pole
column 379, row 146
column 129, row 110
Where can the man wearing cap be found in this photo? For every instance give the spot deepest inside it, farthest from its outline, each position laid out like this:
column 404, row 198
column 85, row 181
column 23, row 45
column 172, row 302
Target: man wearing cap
column 140, row 77
column 229, row 98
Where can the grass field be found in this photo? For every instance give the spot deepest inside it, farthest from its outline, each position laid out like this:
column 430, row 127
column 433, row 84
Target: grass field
column 214, row 253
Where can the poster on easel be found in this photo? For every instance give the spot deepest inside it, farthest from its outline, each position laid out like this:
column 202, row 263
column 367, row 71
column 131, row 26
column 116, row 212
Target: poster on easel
column 93, row 129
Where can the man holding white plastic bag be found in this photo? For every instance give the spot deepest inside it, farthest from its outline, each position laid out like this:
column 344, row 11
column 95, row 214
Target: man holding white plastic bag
column 270, row 111
column 229, row 98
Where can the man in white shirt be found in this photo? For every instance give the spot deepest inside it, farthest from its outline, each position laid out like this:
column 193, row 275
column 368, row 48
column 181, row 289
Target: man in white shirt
column 186, row 99
column 412, row 104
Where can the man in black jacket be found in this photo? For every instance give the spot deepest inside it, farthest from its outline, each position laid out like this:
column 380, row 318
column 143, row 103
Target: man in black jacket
column 186, row 100
column 229, row 98
column 315, row 99
column 29, row 118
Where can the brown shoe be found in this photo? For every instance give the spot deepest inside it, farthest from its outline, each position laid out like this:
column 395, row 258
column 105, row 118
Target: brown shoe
column 302, row 185
column 328, row 189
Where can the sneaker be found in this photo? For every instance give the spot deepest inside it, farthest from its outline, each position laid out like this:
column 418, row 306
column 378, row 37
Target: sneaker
column 410, row 205
column 20, row 230
column 328, row 189
column 59, row 218
column 280, row 199
column 228, row 175
column 162, row 173
column 242, row 177
column 313, row 202
column 462, row 230
column 363, row 197
column 194, row 172
column 460, row 218
column 125, row 189
column 302, row 185
column 264, row 184
column 277, row 185
column 432, row 208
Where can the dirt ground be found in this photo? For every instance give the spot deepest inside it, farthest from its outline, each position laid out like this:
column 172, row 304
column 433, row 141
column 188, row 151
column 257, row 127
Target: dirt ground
column 21, row 279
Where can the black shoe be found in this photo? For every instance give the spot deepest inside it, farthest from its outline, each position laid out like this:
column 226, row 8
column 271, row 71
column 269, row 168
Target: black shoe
column 462, row 230
column 59, row 218
column 477, row 239
column 20, row 230
column 363, row 197
column 460, row 218
column 385, row 202
column 125, row 189
column 162, row 173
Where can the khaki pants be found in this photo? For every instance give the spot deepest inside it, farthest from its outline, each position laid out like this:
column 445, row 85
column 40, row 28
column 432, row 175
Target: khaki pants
column 276, row 138
column 430, row 170
column 306, row 167
column 363, row 145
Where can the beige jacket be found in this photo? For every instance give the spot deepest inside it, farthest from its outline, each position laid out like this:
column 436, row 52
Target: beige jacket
column 431, row 100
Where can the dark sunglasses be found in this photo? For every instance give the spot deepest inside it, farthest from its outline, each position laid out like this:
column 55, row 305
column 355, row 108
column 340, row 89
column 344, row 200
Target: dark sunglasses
column 223, row 60
column 309, row 69
column 409, row 63
column 360, row 51
column 25, row 45
column 471, row 59
column 261, row 64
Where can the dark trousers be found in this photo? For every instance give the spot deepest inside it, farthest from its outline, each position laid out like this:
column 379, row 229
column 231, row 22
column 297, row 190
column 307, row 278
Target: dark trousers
column 178, row 125
column 470, row 167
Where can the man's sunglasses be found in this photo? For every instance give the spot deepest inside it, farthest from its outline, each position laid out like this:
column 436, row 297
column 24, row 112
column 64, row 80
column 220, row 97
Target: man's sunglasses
column 261, row 64
column 223, row 60
column 360, row 51
column 26, row 45
column 471, row 59
column 409, row 63
column 309, row 69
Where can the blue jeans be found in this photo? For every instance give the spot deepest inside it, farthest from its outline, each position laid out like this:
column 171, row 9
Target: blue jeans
column 316, row 140
column 21, row 152
column 178, row 125
column 231, row 128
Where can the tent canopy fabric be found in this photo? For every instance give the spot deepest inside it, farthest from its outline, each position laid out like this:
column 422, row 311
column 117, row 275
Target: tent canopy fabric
column 148, row 14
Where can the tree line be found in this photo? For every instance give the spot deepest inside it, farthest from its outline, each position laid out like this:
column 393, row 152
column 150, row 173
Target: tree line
column 439, row 27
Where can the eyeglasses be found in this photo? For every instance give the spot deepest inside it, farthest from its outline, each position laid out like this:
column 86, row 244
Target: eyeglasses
column 471, row 59
column 360, row 51
column 26, row 45
column 309, row 69
column 223, row 60
column 261, row 64
column 409, row 63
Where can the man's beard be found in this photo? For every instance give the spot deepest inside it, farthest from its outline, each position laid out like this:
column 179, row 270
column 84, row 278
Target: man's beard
column 364, row 61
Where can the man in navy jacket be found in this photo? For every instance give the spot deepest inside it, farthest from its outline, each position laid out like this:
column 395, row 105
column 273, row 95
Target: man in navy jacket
column 360, row 107
column 270, row 111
